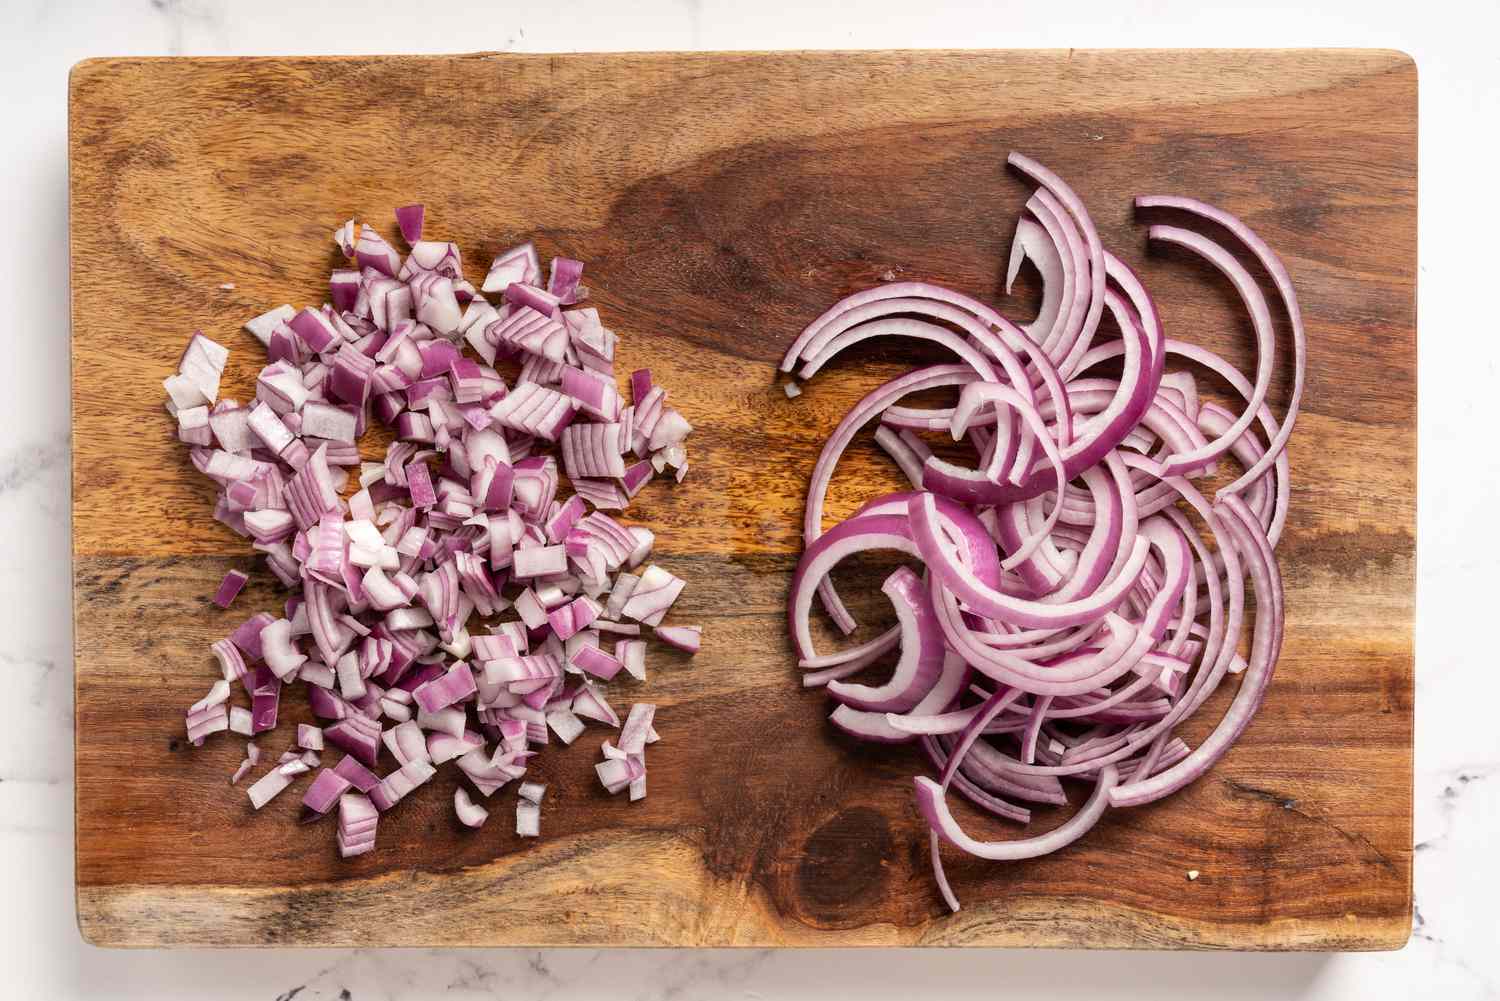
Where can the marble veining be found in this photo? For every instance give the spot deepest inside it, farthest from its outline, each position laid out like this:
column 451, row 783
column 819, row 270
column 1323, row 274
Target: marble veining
column 1452, row 955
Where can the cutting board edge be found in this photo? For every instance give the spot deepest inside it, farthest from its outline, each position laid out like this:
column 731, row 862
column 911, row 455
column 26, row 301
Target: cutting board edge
column 90, row 65
column 93, row 909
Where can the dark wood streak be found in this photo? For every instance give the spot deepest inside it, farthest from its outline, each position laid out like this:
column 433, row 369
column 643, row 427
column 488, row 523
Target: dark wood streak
column 721, row 202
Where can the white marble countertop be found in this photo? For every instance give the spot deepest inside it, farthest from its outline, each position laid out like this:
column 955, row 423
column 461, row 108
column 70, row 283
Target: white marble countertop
column 1453, row 954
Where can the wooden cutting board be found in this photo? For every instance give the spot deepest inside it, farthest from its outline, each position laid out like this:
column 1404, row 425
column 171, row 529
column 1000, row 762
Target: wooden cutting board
column 721, row 202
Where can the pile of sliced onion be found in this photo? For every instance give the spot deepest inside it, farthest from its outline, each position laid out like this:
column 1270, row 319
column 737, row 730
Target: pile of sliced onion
column 461, row 521
column 1068, row 617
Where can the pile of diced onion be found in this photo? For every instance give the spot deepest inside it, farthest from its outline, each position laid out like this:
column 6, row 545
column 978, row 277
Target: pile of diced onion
column 393, row 626
column 1068, row 617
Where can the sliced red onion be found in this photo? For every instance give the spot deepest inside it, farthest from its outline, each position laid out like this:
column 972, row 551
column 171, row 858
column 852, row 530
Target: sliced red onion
column 1283, row 281
column 1097, row 621
column 1260, row 316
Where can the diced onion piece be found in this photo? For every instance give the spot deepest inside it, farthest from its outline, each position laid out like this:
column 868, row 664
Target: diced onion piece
column 528, row 819
column 470, row 814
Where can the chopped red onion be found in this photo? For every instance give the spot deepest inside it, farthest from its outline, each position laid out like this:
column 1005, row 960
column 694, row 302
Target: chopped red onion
column 632, row 654
column 325, row 791
column 519, row 264
column 395, row 786
column 462, row 517
column 638, row 784
column 470, row 814
column 596, row 662
column 456, row 685
column 563, row 282
column 207, row 720
column 229, row 587
column 529, row 296
column 682, row 637
column 231, row 664
column 590, row 703
column 409, row 219
column 268, row 787
column 567, row 726
column 359, row 776
column 528, row 819
column 241, row 721
column 615, row 774
column 637, row 724
column 244, row 769
column 262, row 325
column 358, row 819
column 656, row 591
column 539, row 561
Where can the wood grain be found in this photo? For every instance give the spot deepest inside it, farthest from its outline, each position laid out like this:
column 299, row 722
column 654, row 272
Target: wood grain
column 722, row 201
